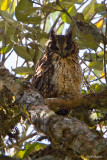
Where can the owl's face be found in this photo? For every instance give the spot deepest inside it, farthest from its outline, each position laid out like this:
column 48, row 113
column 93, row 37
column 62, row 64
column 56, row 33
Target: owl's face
column 63, row 45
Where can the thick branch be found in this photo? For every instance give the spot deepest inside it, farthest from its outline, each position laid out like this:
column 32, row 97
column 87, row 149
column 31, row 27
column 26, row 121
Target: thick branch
column 67, row 133
column 87, row 101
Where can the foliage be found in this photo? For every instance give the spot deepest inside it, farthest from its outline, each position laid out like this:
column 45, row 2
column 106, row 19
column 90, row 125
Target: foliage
column 24, row 30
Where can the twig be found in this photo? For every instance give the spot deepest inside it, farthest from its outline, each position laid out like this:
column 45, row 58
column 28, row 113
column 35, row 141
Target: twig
column 15, row 145
column 104, row 55
column 45, row 22
column 9, row 55
column 57, row 19
column 82, row 4
column 90, row 69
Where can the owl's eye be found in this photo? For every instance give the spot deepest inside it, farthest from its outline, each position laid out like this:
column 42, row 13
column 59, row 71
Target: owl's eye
column 54, row 47
column 68, row 46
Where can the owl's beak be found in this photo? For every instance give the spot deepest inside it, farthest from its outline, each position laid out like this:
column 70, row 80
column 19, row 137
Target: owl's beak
column 61, row 53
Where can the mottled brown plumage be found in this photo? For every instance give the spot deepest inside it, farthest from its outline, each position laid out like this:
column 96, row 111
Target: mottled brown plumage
column 58, row 72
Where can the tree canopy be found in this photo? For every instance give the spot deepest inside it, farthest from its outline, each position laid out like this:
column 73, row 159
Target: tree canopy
column 24, row 30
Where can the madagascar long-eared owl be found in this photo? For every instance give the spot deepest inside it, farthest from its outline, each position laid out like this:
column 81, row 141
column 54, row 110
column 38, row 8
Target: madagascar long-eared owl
column 58, row 72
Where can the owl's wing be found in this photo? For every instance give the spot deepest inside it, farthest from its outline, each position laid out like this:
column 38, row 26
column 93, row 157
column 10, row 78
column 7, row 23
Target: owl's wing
column 43, row 74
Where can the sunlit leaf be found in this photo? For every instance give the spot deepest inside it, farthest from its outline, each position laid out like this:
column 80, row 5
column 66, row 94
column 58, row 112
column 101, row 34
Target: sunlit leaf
column 100, row 23
column 69, row 2
column 24, row 70
column 96, row 65
column 48, row 25
column 43, row 41
column 54, row 15
column 89, row 56
column 21, row 153
column 97, row 87
column 25, row 53
column 72, row 12
column 34, row 147
column 4, row 4
column 100, row 55
column 65, row 18
column 6, row 49
column 91, row 77
column 103, row 75
column 83, row 91
column 89, row 10
column 98, row 72
column 60, row 29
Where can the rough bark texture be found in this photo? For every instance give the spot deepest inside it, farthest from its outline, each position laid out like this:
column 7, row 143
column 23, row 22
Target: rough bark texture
column 69, row 136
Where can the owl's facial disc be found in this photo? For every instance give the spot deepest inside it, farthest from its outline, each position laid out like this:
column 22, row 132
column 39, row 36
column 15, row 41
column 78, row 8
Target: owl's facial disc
column 61, row 44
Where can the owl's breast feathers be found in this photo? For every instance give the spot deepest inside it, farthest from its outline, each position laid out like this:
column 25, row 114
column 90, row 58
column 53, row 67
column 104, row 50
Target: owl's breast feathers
column 57, row 77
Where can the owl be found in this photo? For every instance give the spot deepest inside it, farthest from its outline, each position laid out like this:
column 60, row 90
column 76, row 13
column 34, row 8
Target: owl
column 58, row 72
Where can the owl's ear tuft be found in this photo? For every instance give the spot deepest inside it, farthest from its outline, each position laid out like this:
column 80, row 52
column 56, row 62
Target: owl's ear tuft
column 52, row 34
column 69, row 33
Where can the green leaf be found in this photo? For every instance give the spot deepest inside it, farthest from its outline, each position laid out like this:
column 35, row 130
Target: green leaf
column 88, row 41
column 6, row 49
column 72, row 12
column 48, row 25
column 96, row 65
column 54, row 15
column 60, row 29
column 34, row 147
column 30, row 29
column 69, row 2
column 97, row 87
column 89, row 10
column 4, row 4
column 89, row 56
column 49, row 7
column 91, row 77
column 98, row 72
column 6, row 16
column 25, row 53
column 65, row 18
column 26, row 13
column 99, row 8
column 32, row 20
column 24, row 70
column 19, row 11
column 88, row 34
column 20, row 154
column 43, row 41
column 83, row 91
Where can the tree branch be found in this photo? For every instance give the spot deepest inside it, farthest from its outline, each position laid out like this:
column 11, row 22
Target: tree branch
column 66, row 134
column 86, row 101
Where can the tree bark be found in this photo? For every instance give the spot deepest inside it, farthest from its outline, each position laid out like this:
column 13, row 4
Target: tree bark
column 68, row 135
